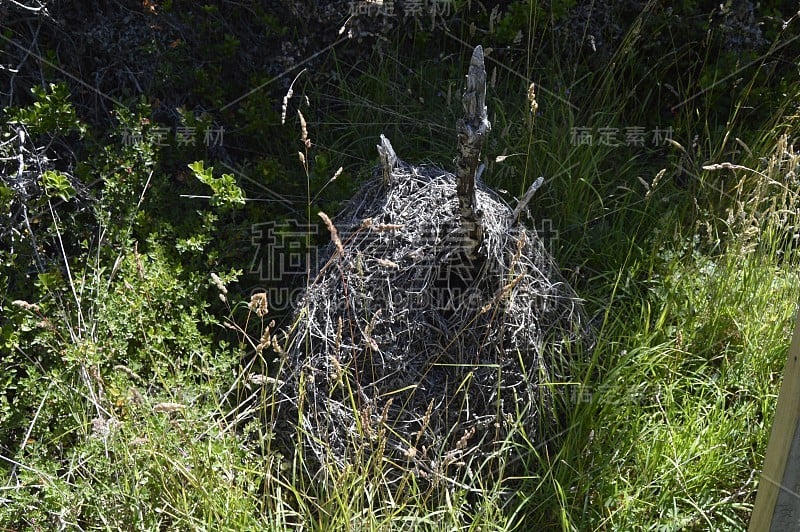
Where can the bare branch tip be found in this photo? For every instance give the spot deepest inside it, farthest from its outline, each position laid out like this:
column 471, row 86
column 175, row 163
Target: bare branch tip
column 477, row 56
column 388, row 159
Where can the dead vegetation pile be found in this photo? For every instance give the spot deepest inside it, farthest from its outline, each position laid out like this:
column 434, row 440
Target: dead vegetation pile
column 418, row 347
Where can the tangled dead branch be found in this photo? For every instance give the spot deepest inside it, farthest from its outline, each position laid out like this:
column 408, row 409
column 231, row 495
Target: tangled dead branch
column 407, row 353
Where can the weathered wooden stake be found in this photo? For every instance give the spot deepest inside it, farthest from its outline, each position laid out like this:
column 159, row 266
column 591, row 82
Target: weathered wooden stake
column 777, row 506
column 388, row 160
column 472, row 130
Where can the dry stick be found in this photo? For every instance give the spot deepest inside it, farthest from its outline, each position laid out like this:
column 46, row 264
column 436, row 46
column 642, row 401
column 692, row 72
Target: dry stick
column 523, row 203
column 13, row 474
column 388, row 160
column 472, row 130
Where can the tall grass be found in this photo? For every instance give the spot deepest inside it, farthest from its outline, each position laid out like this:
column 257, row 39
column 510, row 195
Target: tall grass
column 674, row 406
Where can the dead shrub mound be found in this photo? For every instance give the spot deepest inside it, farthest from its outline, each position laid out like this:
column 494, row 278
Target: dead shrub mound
column 417, row 348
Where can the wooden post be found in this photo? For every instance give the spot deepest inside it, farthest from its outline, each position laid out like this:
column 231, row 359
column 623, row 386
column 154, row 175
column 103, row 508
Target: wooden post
column 472, row 131
column 777, row 506
column 388, row 160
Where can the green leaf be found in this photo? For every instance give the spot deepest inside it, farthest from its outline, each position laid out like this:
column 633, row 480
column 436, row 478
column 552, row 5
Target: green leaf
column 5, row 194
column 57, row 184
column 225, row 192
column 49, row 281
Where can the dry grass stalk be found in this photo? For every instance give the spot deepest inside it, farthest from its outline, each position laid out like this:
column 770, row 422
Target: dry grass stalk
column 334, row 233
column 258, row 304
